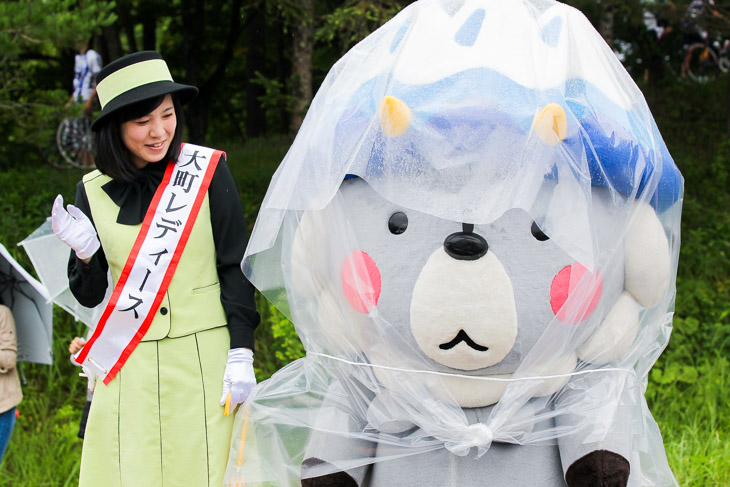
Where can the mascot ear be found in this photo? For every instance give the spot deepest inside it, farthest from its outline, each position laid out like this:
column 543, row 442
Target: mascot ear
column 395, row 116
column 551, row 124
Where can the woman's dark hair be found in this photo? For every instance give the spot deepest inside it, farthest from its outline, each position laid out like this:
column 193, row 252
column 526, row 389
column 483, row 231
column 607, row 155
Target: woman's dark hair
column 112, row 156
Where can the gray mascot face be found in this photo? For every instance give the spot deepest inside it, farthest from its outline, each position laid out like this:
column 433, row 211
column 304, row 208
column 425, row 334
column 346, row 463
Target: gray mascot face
column 472, row 299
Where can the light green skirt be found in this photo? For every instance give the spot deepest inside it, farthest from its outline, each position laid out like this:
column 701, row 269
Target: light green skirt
column 159, row 422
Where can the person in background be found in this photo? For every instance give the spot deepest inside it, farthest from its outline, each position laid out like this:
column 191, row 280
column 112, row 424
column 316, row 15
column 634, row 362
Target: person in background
column 87, row 65
column 10, row 393
column 660, row 38
column 176, row 340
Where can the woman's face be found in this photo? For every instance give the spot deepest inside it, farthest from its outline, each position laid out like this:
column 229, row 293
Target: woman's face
column 148, row 138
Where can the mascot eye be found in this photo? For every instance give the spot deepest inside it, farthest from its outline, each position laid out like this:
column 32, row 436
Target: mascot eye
column 398, row 223
column 537, row 233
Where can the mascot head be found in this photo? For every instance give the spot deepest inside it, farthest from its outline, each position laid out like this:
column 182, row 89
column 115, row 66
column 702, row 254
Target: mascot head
column 481, row 214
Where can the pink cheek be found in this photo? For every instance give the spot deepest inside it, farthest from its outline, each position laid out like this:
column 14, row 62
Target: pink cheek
column 361, row 281
column 573, row 294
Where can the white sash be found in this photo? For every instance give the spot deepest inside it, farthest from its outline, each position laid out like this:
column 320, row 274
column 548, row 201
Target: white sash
column 151, row 263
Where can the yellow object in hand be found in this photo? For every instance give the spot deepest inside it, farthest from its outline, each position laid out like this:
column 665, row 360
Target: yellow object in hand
column 227, row 409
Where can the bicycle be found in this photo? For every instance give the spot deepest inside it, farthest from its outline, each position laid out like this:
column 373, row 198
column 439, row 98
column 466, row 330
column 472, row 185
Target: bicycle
column 70, row 144
column 75, row 141
column 704, row 61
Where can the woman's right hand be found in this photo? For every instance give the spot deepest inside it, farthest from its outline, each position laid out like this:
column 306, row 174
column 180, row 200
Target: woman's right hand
column 74, row 229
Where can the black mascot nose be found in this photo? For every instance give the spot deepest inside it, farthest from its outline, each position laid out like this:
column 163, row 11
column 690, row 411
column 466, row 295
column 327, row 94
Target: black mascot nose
column 466, row 245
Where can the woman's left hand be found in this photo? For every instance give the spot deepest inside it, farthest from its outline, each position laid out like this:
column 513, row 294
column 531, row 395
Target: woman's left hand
column 76, row 344
column 239, row 378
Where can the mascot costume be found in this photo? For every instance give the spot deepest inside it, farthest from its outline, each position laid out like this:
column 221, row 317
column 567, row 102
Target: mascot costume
column 475, row 234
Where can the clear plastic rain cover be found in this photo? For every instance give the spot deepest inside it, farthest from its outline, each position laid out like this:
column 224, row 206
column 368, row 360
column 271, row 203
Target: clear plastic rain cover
column 476, row 235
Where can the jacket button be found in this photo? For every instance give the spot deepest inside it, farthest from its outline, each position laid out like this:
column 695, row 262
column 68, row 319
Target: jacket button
column 163, row 311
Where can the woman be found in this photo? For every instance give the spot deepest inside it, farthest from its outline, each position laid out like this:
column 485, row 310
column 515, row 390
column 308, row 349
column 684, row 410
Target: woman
column 167, row 223
column 10, row 393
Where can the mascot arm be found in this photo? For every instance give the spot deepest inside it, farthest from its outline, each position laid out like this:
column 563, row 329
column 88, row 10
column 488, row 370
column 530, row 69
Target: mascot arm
column 326, row 453
column 646, row 276
column 383, row 415
column 597, row 453
column 600, row 467
column 336, row 479
column 333, row 458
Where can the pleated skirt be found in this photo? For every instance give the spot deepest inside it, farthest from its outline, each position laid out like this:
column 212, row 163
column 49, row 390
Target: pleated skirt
column 159, row 422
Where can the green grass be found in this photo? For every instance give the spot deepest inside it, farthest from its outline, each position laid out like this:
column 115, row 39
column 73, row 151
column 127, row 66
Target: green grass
column 693, row 416
column 698, row 456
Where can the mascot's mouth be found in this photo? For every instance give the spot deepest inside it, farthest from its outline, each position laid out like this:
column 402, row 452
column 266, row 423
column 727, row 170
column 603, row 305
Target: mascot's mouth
column 463, row 337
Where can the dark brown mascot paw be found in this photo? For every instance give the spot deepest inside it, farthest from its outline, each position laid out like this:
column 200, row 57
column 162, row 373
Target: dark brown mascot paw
column 600, row 468
column 337, row 479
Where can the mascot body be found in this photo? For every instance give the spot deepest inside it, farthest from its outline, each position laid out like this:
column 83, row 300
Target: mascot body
column 478, row 250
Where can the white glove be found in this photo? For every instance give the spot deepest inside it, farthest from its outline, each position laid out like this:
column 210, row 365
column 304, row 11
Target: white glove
column 74, row 229
column 239, row 378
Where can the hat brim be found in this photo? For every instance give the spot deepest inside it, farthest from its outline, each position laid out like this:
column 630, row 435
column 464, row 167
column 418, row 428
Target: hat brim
column 185, row 93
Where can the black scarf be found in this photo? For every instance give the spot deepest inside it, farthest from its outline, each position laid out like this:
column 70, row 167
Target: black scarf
column 134, row 198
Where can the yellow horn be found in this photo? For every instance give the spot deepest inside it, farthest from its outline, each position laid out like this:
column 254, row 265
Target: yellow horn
column 395, row 116
column 551, row 124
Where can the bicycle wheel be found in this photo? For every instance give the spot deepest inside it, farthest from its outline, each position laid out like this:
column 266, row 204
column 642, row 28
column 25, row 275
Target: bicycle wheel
column 75, row 142
column 701, row 63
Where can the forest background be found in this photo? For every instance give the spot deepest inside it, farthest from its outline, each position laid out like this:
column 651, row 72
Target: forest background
column 257, row 64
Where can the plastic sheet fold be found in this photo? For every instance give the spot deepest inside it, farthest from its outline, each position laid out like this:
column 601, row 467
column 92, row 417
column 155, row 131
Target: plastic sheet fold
column 475, row 234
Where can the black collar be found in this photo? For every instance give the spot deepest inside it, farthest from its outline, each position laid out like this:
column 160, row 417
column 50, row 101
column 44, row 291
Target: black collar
column 134, row 198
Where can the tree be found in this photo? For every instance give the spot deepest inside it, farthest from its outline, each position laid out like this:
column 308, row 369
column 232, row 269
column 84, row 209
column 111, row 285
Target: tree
column 206, row 69
column 33, row 36
column 256, row 55
column 345, row 25
column 605, row 24
column 716, row 20
column 351, row 22
column 303, row 42
column 197, row 38
column 256, row 63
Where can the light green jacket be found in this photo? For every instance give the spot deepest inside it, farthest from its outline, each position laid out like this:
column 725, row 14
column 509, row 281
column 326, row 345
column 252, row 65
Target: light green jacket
column 192, row 301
